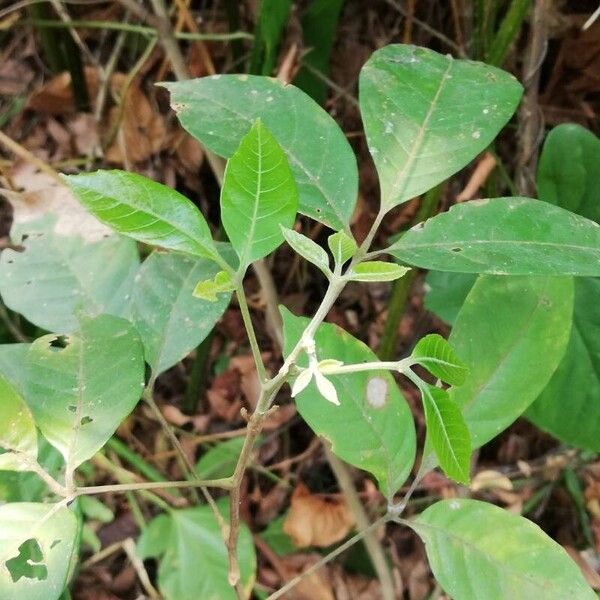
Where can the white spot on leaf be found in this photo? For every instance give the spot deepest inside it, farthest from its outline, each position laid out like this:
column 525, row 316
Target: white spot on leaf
column 377, row 392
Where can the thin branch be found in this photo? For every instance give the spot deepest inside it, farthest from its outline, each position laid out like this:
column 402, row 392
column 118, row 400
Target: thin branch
column 260, row 367
column 152, row 485
column 25, row 154
column 326, row 559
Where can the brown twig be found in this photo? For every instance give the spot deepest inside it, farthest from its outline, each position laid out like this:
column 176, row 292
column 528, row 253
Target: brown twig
column 531, row 126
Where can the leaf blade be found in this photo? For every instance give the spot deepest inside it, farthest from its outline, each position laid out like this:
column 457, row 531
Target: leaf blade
column 324, row 166
column 435, row 354
column 52, row 530
column 145, row 210
column 476, row 550
column 74, row 392
column 18, row 435
column 504, row 236
column 170, row 321
column 437, row 103
column 258, row 195
column 372, row 428
column 447, row 432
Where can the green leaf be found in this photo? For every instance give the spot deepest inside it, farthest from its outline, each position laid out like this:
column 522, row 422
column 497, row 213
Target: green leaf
column 569, row 176
column 22, row 486
column 511, row 334
column 272, row 18
column 342, row 247
column 447, row 432
column 319, row 24
column 259, row 195
column 12, row 361
column 94, row 509
column 504, row 236
column 81, row 386
column 18, row 436
column 57, row 275
column 209, row 289
column 569, row 170
column 170, row 321
column 308, row 249
column 277, row 539
column 193, row 561
column 427, row 115
column 435, row 354
column 477, row 550
column 220, row 460
column 37, row 542
column 145, row 210
column 569, row 406
column 377, row 270
column 372, row 428
column 445, row 293
column 219, row 110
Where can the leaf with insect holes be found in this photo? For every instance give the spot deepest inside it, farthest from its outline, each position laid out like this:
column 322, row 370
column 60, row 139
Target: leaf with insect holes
column 82, row 385
column 170, row 321
column 446, row 432
column 504, row 236
column 427, row 115
column 145, row 210
column 372, row 428
column 18, row 436
column 259, row 195
column 342, row 247
column 477, row 550
column 376, row 270
column 209, row 289
column 308, row 249
column 37, row 543
column 435, row 354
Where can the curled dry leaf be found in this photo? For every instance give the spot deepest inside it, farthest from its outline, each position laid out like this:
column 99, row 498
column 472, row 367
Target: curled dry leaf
column 313, row 586
column 489, row 479
column 315, row 520
column 56, row 96
column 142, row 131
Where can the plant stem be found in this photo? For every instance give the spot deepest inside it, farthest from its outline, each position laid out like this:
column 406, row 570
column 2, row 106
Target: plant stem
column 152, row 485
column 260, row 367
column 197, row 377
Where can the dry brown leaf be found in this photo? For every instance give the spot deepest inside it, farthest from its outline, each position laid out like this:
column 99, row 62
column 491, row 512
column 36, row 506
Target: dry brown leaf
column 316, row 586
column 56, row 96
column 141, row 128
column 482, row 171
column 41, row 196
column 315, row 520
column 489, row 479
